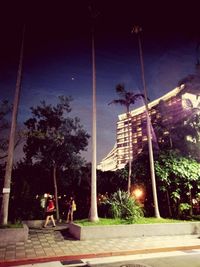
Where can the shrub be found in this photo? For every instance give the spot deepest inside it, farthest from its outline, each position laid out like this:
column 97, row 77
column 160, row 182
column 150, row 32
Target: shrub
column 122, row 206
column 184, row 209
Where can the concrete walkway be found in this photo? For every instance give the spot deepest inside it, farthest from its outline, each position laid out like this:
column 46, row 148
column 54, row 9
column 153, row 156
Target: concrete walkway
column 52, row 244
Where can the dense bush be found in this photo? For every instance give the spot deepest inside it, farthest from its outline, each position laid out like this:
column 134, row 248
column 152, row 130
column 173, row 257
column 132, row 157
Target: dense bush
column 123, row 206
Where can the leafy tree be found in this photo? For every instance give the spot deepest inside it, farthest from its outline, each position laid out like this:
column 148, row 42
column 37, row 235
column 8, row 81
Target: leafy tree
column 142, row 178
column 55, row 139
column 25, row 202
column 191, row 84
column 182, row 132
column 179, row 176
column 127, row 99
column 109, row 182
column 189, row 131
column 163, row 125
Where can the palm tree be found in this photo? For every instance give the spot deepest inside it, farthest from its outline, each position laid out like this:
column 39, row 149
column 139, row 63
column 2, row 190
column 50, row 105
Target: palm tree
column 127, row 99
column 191, row 83
column 93, row 209
column 9, row 164
column 137, row 30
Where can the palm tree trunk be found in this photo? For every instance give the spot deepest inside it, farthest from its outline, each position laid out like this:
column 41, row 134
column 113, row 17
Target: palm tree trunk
column 129, row 155
column 93, row 216
column 56, row 191
column 151, row 158
column 168, row 203
column 190, row 200
column 170, row 141
column 9, row 165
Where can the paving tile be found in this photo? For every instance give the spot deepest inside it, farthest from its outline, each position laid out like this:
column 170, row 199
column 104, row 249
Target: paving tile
column 32, row 251
column 20, row 255
column 28, row 246
column 10, row 257
column 45, row 245
column 38, row 248
column 42, row 240
column 2, row 251
column 50, row 253
column 40, row 253
column 57, row 250
column 2, row 254
column 30, row 255
column 59, row 253
column 10, row 254
column 47, row 249
column 19, row 248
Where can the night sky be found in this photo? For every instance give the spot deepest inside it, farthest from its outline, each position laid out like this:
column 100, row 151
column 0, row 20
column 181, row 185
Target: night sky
column 57, row 56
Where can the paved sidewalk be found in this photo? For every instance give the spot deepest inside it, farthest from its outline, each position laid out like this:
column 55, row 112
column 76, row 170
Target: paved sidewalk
column 56, row 244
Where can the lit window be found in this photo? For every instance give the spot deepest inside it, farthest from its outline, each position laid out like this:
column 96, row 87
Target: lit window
column 144, row 138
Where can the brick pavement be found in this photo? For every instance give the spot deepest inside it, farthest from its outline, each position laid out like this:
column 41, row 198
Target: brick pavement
column 56, row 243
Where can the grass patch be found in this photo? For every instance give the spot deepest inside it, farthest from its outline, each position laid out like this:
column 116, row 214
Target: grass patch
column 106, row 221
column 11, row 225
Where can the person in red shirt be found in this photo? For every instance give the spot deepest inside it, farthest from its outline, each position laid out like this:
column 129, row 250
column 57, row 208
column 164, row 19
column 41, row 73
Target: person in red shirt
column 50, row 208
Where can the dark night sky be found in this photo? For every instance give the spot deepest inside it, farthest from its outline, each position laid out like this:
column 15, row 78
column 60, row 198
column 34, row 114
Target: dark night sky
column 57, row 56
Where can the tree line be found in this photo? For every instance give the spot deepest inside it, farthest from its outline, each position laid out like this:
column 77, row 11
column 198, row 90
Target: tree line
column 52, row 162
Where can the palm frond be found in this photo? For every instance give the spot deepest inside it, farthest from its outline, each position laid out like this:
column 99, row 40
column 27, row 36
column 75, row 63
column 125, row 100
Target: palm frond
column 120, row 88
column 122, row 102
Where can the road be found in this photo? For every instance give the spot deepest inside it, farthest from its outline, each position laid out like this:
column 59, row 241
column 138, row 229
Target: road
column 187, row 258
column 190, row 258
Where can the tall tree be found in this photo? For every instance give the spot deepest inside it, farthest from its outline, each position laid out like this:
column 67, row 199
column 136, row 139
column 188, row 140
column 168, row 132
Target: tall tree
column 127, row 99
column 9, row 164
column 93, row 216
column 137, row 30
column 4, row 125
column 55, row 139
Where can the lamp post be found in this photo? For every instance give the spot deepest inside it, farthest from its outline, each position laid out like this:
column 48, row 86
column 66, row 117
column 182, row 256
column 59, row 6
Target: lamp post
column 137, row 30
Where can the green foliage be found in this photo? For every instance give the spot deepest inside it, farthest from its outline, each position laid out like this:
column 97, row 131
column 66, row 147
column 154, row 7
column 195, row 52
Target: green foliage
column 117, row 221
column 54, row 138
column 179, row 176
column 12, row 225
column 124, row 207
column 184, row 209
column 127, row 98
column 171, row 164
column 109, row 182
column 54, row 142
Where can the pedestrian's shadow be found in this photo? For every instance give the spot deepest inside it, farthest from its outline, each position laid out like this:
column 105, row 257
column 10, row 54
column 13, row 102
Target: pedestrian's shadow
column 66, row 235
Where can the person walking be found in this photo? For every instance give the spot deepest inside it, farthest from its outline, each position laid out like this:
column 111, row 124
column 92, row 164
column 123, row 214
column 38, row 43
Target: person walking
column 71, row 206
column 50, row 208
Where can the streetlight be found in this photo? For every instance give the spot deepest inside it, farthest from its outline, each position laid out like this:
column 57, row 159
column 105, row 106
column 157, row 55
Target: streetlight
column 137, row 30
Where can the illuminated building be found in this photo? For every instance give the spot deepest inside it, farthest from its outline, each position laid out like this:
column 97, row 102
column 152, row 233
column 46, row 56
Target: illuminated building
column 173, row 106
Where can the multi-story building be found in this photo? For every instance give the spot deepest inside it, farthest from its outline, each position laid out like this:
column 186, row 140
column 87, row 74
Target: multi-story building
column 132, row 128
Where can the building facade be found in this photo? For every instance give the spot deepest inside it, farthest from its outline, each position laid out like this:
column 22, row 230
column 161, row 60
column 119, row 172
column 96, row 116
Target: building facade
column 132, row 129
